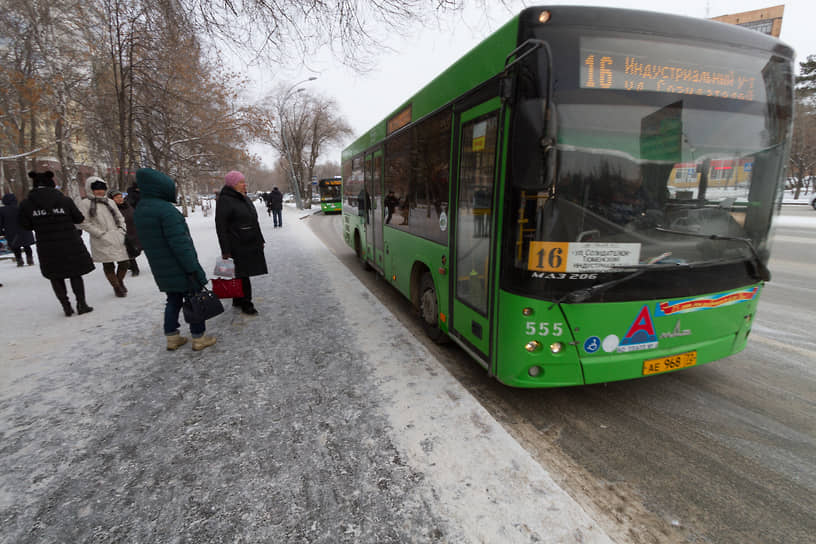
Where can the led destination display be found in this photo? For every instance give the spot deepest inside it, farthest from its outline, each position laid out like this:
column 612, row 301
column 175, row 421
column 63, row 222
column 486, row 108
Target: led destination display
column 640, row 65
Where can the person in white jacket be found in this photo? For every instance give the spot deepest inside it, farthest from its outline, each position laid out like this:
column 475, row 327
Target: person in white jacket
column 106, row 225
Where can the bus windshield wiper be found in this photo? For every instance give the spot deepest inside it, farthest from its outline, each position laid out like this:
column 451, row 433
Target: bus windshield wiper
column 762, row 271
column 635, row 270
column 585, row 293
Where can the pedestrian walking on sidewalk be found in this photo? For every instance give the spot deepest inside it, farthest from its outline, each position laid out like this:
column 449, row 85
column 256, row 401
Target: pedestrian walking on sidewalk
column 107, row 229
column 276, row 205
column 60, row 249
column 166, row 241
column 132, row 243
column 239, row 235
column 19, row 240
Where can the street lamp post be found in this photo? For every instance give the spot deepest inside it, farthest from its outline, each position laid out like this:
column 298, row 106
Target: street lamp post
column 294, row 180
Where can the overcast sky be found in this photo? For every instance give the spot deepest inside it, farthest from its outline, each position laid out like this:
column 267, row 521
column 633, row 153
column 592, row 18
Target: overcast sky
column 365, row 99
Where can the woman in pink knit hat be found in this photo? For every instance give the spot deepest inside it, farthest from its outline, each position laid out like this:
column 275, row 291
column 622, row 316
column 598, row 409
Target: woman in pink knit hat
column 239, row 235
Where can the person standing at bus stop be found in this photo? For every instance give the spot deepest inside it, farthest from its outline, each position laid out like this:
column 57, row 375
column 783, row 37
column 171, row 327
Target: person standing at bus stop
column 107, row 229
column 173, row 260
column 19, row 240
column 275, row 200
column 239, row 235
column 60, row 249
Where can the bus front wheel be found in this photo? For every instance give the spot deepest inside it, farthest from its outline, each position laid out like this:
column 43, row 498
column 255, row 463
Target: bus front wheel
column 429, row 309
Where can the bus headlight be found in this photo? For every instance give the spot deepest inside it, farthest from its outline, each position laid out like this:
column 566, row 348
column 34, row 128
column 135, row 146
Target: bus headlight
column 556, row 347
column 533, row 345
column 534, row 371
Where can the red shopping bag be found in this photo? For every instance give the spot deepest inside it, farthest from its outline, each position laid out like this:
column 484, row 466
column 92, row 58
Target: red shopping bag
column 231, row 288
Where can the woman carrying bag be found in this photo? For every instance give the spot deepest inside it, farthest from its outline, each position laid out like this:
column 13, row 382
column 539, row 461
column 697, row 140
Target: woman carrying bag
column 239, row 235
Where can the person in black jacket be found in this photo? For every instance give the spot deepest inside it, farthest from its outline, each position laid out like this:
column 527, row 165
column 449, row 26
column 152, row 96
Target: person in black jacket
column 19, row 240
column 239, row 235
column 132, row 243
column 275, row 203
column 60, row 248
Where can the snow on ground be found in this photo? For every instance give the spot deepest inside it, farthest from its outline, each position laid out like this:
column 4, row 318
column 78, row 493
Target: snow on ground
column 321, row 420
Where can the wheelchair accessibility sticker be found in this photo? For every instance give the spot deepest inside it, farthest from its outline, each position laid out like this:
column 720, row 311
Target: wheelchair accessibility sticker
column 592, row 344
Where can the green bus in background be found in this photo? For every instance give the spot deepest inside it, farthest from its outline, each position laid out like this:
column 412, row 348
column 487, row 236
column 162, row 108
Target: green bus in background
column 330, row 190
column 558, row 202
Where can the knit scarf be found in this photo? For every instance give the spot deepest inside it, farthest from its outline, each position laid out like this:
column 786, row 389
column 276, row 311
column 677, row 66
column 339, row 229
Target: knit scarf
column 107, row 202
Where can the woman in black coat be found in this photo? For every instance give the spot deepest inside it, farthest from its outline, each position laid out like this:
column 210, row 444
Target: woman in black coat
column 239, row 235
column 19, row 240
column 60, row 248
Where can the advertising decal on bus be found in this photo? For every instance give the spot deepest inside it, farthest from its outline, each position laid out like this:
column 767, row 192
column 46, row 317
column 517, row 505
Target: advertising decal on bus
column 705, row 303
column 641, row 334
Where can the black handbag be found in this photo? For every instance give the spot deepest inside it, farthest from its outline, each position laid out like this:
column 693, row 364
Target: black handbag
column 201, row 305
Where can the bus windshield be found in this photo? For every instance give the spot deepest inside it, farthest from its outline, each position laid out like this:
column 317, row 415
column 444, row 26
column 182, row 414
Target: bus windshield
column 664, row 153
column 329, row 190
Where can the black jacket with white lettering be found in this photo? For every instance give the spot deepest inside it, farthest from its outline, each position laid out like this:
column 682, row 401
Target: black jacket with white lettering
column 53, row 216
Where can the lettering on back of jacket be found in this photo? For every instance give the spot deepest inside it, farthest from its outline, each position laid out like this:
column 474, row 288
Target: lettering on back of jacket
column 53, row 211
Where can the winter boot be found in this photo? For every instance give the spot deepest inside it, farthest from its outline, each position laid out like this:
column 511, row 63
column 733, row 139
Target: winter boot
column 121, row 272
column 66, row 307
column 117, row 287
column 29, row 259
column 248, row 308
column 203, row 342
column 134, row 268
column 175, row 341
column 82, row 307
column 20, row 261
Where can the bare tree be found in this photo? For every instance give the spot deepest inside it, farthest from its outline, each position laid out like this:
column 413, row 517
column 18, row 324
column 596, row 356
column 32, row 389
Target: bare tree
column 23, row 91
column 301, row 125
column 294, row 30
column 803, row 146
column 803, row 143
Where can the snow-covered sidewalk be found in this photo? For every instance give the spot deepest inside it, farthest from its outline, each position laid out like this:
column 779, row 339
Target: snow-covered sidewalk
column 321, row 420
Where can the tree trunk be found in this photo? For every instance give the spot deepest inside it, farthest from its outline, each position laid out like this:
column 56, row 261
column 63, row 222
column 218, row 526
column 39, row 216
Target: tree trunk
column 65, row 153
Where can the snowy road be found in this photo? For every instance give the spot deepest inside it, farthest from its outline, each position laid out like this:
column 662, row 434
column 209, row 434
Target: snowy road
column 322, row 420
column 723, row 453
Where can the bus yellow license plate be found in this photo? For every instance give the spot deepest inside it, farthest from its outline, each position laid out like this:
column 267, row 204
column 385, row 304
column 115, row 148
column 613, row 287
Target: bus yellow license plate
column 673, row 362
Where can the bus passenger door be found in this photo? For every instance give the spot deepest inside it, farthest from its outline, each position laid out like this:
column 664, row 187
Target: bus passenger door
column 471, row 255
column 374, row 207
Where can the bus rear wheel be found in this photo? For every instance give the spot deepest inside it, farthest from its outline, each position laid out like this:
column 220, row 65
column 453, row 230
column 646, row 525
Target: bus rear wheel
column 429, row 309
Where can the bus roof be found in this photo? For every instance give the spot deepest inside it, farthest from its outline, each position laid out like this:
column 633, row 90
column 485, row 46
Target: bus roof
column 487, row 58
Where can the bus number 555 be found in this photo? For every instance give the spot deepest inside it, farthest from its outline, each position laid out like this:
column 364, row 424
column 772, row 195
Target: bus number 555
column 544, row 329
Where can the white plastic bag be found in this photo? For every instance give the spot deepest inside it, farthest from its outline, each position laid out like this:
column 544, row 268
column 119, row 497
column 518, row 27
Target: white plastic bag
column 224, row 268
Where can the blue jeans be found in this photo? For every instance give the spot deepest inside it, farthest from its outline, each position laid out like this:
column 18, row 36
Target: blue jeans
column 277, row 220
column 171, row 316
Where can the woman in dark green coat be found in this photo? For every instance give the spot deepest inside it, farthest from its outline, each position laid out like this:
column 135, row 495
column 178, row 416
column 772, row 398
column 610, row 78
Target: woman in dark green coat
column 239, row 235
column 170, row 251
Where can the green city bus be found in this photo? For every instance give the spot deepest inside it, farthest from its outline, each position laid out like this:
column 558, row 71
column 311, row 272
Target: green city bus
column 330, row 194
column 527, row 202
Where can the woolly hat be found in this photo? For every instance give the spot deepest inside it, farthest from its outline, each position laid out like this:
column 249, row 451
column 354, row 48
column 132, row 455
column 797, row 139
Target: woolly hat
column 233, row 178
column 98, row 184
column 113, row 193
column 42, row 179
